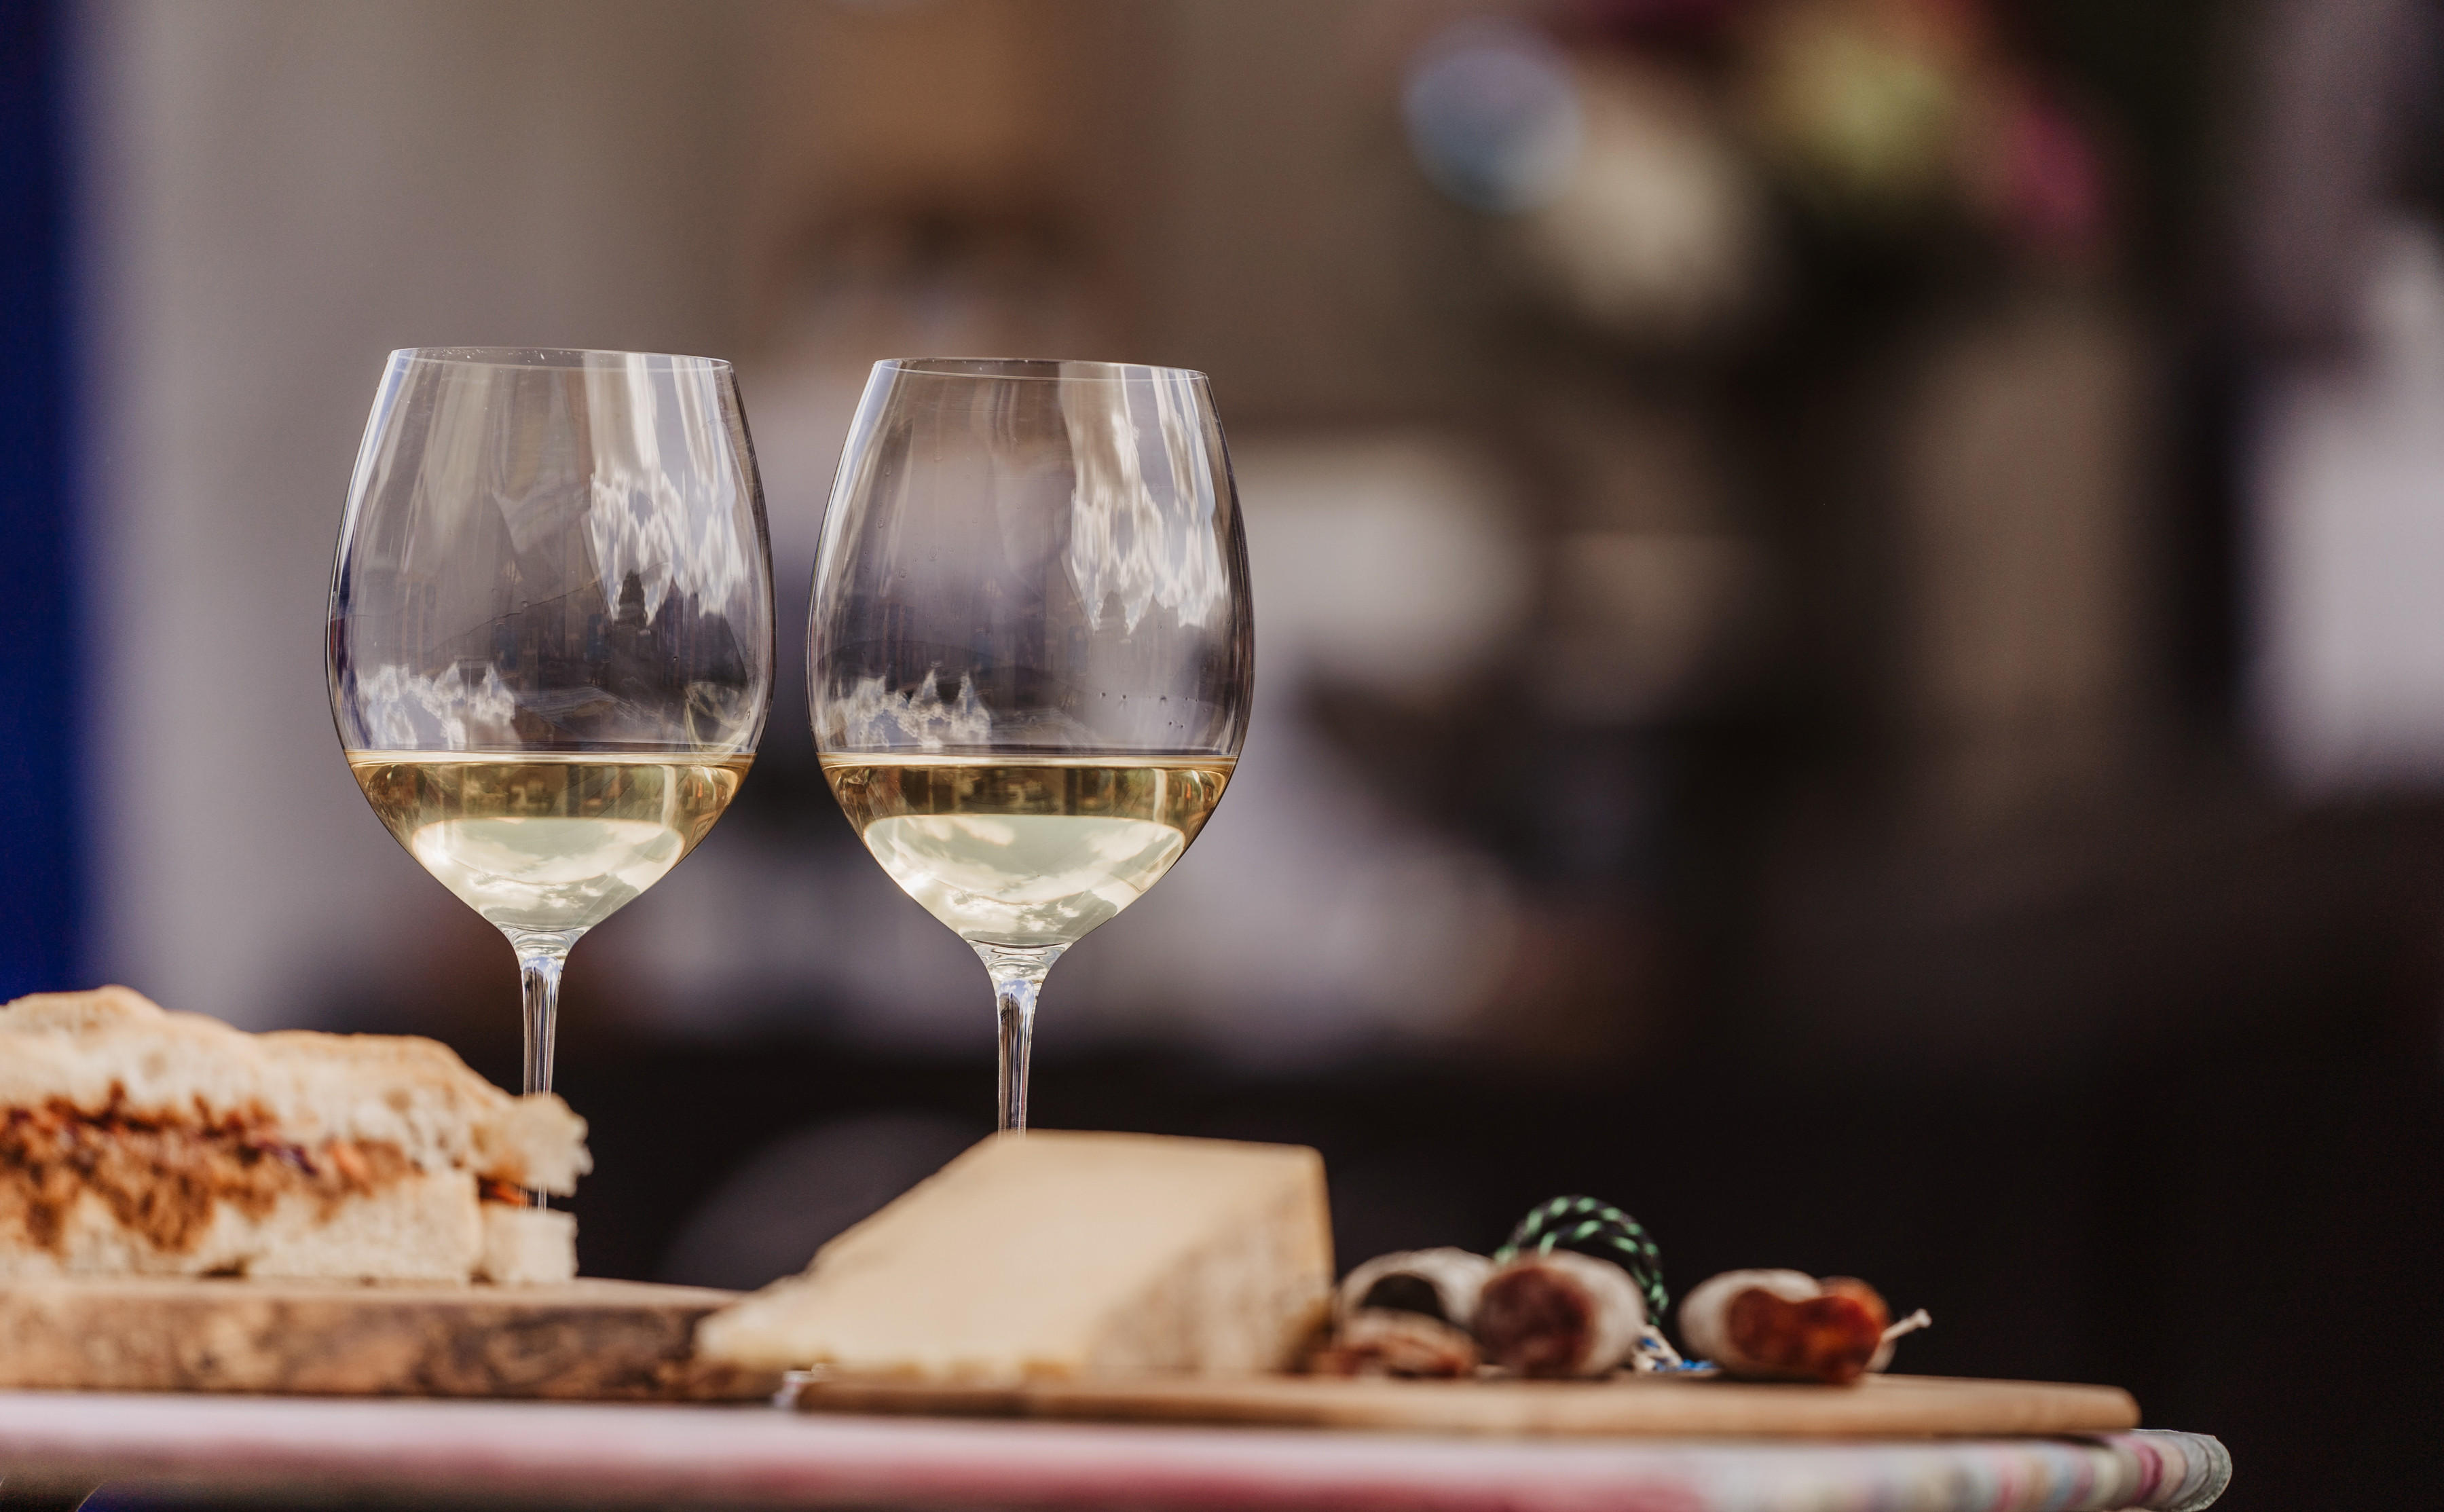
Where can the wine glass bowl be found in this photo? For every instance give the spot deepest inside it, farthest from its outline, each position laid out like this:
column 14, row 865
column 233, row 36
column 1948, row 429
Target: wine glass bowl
column 551, row 632
column 1029, row 656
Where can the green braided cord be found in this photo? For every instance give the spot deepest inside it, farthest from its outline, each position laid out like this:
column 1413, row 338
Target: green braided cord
column 1595, row 1228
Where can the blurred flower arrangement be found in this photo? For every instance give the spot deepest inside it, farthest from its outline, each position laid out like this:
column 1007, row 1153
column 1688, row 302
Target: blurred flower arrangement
column 1646, row 152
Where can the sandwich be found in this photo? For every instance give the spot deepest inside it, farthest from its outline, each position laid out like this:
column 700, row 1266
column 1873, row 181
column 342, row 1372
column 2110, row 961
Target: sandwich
column 140, row 1142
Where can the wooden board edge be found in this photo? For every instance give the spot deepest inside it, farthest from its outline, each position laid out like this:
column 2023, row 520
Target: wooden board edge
column 591, row 1339
column 1936, row 1405
column 592, row 1290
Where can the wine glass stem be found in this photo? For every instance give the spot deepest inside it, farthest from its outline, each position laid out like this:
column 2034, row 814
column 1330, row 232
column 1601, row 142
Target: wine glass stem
column 540, row 959
column 539, row 982
column 1017, row 976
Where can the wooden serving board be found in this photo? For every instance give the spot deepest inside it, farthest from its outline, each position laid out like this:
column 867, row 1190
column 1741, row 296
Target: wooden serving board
column 1879, row 1407
column 581, row 1339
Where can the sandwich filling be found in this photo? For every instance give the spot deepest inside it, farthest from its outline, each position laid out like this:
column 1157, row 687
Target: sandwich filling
column 164, row 1175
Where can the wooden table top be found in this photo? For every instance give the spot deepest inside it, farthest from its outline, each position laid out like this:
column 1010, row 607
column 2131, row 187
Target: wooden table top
column 599, row 1454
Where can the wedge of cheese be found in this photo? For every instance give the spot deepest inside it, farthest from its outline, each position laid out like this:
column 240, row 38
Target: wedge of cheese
column 1056, row 1256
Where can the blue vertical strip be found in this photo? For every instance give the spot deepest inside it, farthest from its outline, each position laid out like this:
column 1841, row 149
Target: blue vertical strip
column 42, row 869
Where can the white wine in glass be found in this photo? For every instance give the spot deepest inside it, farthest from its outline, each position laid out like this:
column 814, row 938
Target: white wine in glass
column 546, row 844
column 1029, row 653
column 551, row 631
column 1026, row 853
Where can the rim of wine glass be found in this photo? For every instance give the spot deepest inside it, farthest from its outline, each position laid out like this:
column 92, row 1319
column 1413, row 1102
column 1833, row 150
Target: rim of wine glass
column 1033, row 368
column 548, row 356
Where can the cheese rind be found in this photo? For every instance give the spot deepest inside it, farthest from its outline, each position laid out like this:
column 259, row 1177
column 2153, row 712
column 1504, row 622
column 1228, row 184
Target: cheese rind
column 1055, row 1254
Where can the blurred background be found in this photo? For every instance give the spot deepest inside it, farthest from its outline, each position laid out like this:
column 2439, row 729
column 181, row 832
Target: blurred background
column 1850, row 602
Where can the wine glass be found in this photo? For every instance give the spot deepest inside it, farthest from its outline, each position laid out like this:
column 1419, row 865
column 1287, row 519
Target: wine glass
column 1028, row 659
column 551, row 631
